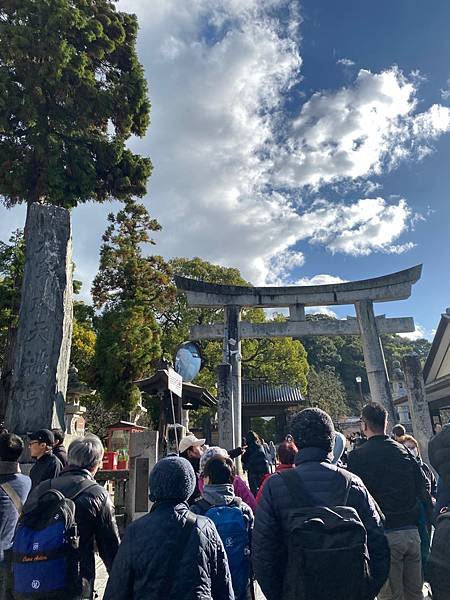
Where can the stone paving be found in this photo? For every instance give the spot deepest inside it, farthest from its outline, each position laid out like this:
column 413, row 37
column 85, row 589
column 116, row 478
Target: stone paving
column 102, row 578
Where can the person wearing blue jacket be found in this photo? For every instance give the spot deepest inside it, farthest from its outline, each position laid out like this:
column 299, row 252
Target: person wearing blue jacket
column 14, row 489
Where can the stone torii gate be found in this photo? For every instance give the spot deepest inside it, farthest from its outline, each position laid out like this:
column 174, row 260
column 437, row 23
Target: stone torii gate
column 362, row 294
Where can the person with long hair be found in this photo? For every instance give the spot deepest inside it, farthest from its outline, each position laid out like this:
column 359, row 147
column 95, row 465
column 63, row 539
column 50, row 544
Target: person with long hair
column 255, row 461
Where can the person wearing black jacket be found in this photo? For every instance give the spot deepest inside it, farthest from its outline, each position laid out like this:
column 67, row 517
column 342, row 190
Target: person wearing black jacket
column 397, row 483
column 254, row 461
column 46, row 465
column 313, row 433
column 94, row 511
column 169, row 553
column 58, row 449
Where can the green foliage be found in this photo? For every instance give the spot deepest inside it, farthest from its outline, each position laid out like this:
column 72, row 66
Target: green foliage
column 344, row 354
column 72, row 91
column 82, row 353
column 266, row 429
column 12, row 260
column 125, row 274
column 127, row 343
column 131, row 289
column 326, row 391
column 275, row 361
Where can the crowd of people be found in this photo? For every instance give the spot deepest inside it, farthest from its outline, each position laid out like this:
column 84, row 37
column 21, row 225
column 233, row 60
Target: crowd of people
column 319, row 519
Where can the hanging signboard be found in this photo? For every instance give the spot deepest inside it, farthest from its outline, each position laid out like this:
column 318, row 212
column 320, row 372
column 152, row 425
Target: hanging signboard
column 175, row 382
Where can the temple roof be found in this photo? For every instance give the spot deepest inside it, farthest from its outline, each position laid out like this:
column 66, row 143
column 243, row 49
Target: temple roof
column 258, row 393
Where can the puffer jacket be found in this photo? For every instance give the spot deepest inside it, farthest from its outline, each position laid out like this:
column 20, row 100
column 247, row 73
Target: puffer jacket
column 94, row 514
column 322, row 479
column 140, row 569
column 279, row 469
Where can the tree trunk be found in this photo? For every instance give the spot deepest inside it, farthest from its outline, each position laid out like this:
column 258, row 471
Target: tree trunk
column 41, row 361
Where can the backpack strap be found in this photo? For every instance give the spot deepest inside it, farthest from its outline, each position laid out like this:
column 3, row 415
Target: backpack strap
column 203, row 505
column 13, row 496
column 298, row 491
column 85, row 485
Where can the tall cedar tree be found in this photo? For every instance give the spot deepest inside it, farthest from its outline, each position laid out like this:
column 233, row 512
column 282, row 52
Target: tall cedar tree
column 132, row 290
column 71, row 92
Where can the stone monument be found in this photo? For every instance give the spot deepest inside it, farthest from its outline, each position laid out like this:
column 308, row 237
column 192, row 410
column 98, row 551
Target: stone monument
column 39, row 378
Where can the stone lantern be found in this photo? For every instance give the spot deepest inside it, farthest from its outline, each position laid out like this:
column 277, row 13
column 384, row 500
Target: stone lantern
column 73, row 413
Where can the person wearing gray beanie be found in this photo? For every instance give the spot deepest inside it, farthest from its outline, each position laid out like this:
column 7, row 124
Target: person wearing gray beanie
column 172, row 478
column 170, row 553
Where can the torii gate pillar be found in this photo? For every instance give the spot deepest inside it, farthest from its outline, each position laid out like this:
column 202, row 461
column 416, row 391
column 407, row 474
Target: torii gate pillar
column 377, row 375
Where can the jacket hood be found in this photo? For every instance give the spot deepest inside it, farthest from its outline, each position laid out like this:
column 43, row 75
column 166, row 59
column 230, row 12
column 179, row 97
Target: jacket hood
column 218, row 494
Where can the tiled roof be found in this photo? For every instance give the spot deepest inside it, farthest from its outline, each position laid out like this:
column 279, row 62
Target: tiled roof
column 256, row 393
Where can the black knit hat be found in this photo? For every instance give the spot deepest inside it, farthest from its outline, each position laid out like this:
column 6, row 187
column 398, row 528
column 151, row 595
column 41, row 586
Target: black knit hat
column 172, row 478
column 313, row 428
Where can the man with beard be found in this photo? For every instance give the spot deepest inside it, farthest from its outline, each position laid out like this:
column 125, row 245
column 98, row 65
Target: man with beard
column 191, row 449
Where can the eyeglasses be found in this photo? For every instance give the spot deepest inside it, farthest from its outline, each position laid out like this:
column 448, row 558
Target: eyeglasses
column 34, row 442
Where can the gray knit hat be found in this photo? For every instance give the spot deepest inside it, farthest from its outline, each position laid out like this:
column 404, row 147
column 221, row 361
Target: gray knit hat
column 313, row 428
column 172, row 478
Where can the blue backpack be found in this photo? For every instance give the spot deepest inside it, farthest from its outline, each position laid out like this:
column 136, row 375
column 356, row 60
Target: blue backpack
column 231, row 525
column 45, row 557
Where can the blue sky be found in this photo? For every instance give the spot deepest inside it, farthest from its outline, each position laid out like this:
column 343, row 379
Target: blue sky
column 376, row 36
column 299, row 141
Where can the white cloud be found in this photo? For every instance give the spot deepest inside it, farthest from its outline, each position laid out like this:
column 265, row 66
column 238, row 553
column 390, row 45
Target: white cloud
column 418, row 334
column 321, row 279
column 345, row 62
column 229, row 167
column 358, row 131
column 445, row 93
column 282, row 265
column 321, row 310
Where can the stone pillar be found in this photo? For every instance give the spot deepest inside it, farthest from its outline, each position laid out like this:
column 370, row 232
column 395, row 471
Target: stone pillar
column 225, row 407
column 39, row 379
column 380, row 389
column 143, row 455
column 233, row 316
column 418, row 405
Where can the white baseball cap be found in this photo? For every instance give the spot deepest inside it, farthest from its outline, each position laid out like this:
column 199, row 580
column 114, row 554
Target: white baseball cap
column 188, row 441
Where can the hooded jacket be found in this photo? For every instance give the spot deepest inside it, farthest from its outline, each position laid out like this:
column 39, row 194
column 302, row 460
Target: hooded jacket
column 140, row 569
column 320, row 477
column 241, row 490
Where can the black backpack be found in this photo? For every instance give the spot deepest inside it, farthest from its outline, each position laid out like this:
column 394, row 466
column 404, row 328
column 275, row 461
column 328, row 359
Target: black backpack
column 327, row 546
